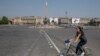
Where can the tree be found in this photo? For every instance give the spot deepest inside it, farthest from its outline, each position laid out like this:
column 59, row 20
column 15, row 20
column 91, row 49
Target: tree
column 5, row 20
column 1, row 22
column 92, row 22
column 45, row 20
column 48, row 21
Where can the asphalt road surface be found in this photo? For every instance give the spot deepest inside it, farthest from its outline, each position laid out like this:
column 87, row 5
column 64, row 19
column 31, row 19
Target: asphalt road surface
column 25, row 41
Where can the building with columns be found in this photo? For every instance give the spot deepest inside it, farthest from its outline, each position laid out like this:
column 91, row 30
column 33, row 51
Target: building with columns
column 27, row 20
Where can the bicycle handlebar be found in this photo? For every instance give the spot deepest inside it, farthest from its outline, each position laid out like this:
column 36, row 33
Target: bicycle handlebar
column 68, row 42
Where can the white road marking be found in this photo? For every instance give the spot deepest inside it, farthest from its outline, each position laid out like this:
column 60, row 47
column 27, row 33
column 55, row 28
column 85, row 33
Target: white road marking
column 49, row 39
column 51, row 46
column 61, row 55
column 42, row 32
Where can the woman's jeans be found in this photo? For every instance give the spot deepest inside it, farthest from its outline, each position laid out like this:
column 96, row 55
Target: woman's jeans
column 79, row 47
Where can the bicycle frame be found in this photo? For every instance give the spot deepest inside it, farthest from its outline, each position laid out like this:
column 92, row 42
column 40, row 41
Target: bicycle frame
column 70, row 48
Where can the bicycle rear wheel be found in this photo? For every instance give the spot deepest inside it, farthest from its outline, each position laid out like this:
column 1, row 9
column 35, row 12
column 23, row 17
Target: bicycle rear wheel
column 88, row 51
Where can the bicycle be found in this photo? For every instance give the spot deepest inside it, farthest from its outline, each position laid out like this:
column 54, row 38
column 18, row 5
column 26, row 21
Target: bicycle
column 70, row 49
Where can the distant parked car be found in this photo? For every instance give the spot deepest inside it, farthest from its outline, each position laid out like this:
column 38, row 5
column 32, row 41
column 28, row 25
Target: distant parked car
column 85, row 27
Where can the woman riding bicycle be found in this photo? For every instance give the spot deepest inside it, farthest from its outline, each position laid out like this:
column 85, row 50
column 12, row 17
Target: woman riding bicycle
column 81, row 38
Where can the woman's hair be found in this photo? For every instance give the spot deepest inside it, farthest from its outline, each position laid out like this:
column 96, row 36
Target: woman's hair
column 81, row 30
